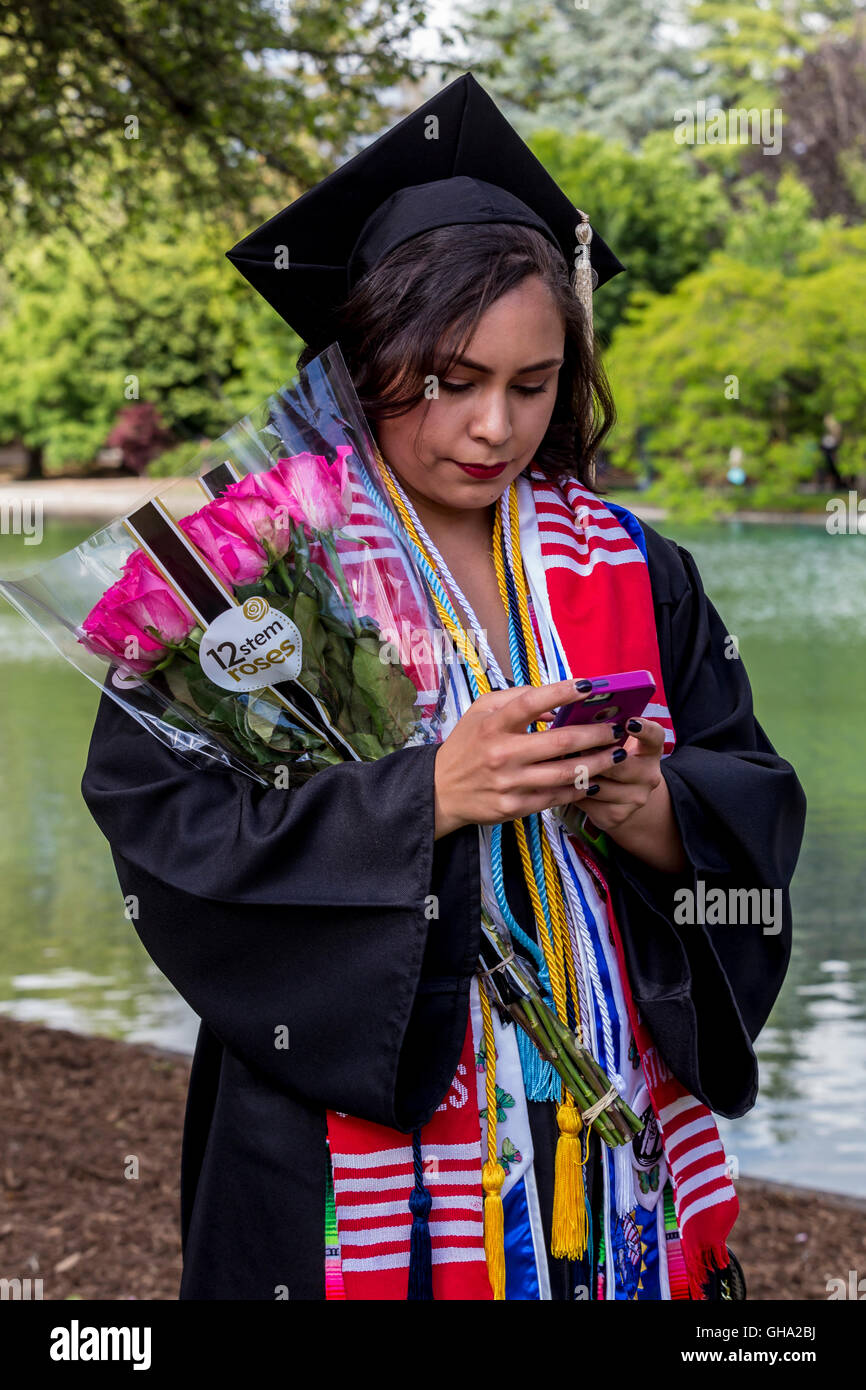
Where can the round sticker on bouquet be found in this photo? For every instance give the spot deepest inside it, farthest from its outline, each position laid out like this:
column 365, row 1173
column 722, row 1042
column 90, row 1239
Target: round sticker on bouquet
column 249, row 647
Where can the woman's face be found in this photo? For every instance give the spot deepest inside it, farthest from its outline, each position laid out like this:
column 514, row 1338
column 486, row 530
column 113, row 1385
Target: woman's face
column 492, row 408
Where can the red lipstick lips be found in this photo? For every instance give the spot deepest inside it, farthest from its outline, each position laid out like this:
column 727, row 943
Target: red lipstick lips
column 481, row 471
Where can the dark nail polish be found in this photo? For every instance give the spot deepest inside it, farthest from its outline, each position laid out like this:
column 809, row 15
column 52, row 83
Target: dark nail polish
column 619, row 755
column 592, row 789
column 618, row 730
column 634, row 725
column 583, row 686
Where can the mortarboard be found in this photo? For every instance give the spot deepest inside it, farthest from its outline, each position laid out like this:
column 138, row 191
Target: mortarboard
column 466, row 164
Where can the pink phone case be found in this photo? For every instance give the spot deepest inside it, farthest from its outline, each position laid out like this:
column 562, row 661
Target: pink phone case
column 613, row 700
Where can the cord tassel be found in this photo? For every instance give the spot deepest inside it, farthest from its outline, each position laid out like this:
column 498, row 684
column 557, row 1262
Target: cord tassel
column 568, row 1236
column 420, row 1249
column 492, row 1177
column 541, row 1081
column 493, row 1173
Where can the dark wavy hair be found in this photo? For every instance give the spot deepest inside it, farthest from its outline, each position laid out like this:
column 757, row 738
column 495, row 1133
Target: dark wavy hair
column 413, row 313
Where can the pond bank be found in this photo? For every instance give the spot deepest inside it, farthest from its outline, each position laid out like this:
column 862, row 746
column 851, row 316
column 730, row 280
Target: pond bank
column 102, row 499
column 74, row 1109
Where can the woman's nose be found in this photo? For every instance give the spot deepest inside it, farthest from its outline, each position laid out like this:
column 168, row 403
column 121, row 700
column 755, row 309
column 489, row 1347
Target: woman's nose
column 491, row 420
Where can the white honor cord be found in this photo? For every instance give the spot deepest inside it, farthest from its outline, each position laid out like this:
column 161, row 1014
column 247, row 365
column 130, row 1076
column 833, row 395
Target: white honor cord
column 622, row 1154
column 450, row 582
column 623, row 1165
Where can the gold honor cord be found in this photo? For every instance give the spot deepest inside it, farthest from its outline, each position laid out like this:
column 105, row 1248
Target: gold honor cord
column 568, row 1236
column 569, row 1231
column 492, row 1174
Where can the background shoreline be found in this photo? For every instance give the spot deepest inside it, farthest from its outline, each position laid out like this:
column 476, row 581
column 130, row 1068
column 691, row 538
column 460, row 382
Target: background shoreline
column 103, row 499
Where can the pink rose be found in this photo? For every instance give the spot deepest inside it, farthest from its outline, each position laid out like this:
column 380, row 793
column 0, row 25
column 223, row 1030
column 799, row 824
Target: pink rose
column 229, row 547
column 256, row 511
column 141, row 598
column 312, row 490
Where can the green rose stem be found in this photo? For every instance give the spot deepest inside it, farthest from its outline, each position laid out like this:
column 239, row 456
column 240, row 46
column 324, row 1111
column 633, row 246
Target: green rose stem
column 283, row 573
column 174, row 648
column 635, row 1125
column 592, row 1075
column 596, row 1073
column 559, row 1046
column 540, row 1020
column 327, row 541
column 595, row 1077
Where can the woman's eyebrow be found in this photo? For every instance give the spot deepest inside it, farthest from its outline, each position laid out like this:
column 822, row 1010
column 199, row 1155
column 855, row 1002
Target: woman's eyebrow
column 535, row 366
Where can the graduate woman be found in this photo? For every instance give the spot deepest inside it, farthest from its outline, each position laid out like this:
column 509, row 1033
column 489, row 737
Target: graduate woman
column 411, row 1141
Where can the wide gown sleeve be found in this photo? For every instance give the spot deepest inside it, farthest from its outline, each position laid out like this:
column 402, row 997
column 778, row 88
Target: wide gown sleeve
column 706, row 989
column 321, row 933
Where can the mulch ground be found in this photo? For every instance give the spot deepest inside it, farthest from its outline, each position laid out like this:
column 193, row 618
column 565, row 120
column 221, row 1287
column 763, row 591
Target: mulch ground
column 79, row 1116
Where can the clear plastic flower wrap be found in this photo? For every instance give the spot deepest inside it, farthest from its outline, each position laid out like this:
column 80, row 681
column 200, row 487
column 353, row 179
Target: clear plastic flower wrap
column 262, row 609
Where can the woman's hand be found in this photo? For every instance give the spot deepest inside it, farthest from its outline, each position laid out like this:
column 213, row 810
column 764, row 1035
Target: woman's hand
column 627, row 787
column 489, row 769
column 632, row 804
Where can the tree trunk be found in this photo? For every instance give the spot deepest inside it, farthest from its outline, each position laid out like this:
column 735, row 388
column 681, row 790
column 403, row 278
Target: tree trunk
column 34, row 462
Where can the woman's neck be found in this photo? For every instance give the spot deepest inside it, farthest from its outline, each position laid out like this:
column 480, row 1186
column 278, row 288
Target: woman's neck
column 455, row 529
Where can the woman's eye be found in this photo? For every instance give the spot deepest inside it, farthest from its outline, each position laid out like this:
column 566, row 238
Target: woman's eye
column 454, row 386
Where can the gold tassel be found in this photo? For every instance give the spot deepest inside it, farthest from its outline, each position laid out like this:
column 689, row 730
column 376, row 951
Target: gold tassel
column 568, row 1237
column 492, row 1177
column 493, row 1173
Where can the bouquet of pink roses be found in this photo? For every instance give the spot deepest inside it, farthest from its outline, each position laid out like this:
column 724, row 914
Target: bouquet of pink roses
column 259, row 626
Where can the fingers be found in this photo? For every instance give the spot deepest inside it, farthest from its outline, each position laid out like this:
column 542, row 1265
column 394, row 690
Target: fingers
column 644, row 750
column 637, row 762
column 559, row 743
column 648, row 733
column 528, row 703
column 566, row 774
column 572, row 738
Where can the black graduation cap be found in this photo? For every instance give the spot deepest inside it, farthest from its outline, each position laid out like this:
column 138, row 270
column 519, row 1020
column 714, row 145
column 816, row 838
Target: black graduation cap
column 468, row 165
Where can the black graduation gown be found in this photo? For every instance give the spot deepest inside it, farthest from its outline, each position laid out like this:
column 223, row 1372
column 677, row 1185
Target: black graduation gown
column 305, row 909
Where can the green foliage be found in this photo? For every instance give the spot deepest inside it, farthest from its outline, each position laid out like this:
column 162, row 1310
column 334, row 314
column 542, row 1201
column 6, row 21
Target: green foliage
column 656, row 209
column 749, row 47
column 183, row 332
column 773, row 234
column 613, row 69
column 138, row 146
column 174, row 462
column 221, row 99
column 738, row 357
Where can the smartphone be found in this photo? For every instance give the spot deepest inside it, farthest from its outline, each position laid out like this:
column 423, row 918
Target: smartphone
column 612, row 700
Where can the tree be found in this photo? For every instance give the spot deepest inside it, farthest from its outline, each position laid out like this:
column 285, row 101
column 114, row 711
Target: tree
column 735, row 358
column 825, row 123
column 749, row 47
column 223, row 96
column 185, row 335
column 616, row 68
column 655, row 209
